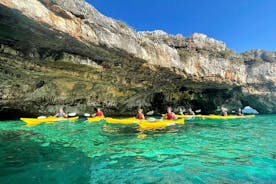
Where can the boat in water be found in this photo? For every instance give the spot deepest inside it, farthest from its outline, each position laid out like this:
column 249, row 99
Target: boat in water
column 226, row 117
column 150, row 123
column 36, row 121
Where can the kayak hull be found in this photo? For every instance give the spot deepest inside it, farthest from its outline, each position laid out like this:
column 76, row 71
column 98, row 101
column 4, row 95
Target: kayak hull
column 226, row 117
column 125, row 121
column 186, row 116
column 95, row 119
column 159, row 124
column 36, row 121
column 145, row 124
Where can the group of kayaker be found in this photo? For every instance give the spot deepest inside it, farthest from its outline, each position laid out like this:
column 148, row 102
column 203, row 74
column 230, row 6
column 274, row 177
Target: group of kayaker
column 169, row 115
column 225, row 113
column 62, row 114
column 190, row 111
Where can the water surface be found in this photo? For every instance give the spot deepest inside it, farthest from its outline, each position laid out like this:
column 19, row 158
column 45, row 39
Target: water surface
column 201, row 151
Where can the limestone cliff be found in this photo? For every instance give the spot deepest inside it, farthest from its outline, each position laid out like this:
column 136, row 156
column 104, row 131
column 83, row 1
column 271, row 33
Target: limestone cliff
column 65, row 53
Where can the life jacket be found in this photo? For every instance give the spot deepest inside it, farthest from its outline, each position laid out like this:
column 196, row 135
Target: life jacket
column 60, row 115
column 170, row 116
column 99, row 114
column 139, row 116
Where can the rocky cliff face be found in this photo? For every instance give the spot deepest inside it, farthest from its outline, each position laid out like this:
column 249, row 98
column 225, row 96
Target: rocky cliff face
column 65, row 53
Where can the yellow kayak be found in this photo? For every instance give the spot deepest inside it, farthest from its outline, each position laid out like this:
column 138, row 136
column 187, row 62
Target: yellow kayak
column 158, row 124
column 145, row 124
column 186, row 116
column 36, row 121
column 95, row 119
column 226, row 117
column 121, row 120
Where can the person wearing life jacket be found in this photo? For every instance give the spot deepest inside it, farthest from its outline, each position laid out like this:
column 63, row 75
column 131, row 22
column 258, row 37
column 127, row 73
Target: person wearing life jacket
column 99, row 113
column 170, row 114
column 61, row 114
column 140, row 114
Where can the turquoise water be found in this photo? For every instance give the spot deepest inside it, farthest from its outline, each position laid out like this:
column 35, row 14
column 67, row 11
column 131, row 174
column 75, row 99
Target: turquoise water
column 201, row 151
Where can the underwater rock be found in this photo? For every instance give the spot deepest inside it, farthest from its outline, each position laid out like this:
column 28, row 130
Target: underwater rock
column 46, row 144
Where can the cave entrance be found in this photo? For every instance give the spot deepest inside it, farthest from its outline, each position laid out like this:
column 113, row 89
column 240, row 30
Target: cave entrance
column 11, row 114
column 159, row 102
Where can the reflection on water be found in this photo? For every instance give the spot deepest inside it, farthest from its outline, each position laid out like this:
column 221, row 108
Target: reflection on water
column 201, row 151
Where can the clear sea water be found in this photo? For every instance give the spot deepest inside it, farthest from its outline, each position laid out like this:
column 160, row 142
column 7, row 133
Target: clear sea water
column 201, row 151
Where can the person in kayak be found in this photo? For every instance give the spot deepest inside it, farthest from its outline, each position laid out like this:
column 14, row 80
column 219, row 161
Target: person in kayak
column 140, row 114
column 190, row 111
column 99, row 113
column 61, row 114
column 181, row 111
column 170, row 115
column 239, row 112
column 224, row 112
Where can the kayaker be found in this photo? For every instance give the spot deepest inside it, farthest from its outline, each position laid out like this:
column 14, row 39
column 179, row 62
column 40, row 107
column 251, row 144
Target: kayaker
column 239, row 112
column 99, row 113
column 181, row 111
column 61, row 114
column 170, row 115
column 190, row 111
column 224, row 112
column 140, row 114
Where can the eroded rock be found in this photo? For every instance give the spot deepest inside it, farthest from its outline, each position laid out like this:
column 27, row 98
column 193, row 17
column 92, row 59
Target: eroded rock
column 86, row 60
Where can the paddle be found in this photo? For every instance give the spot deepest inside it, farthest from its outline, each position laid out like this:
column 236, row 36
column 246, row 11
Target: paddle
column 72, row 114
column 87, row 115
column 151, row 119
column 150, row 113
column 41, row 117
column 198, row 111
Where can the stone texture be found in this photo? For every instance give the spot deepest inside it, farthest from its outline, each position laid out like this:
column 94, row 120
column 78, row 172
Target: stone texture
column 65, row 52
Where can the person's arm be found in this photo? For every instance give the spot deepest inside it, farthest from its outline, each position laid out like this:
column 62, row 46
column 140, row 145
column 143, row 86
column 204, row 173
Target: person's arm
column 143, row 116
column 173, row 115
column 56, row 115
column 65, row 115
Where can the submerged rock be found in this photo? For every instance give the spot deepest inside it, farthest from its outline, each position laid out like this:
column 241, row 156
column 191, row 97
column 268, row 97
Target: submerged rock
column 66, row 53
column 46, row 144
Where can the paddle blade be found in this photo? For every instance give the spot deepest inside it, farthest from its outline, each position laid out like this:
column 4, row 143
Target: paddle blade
column 86, row 114
column 72, row 114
